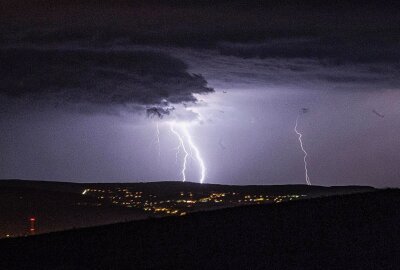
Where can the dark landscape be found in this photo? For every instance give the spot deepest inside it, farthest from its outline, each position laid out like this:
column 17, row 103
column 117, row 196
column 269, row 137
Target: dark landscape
column 355, row 231
column 61, row 205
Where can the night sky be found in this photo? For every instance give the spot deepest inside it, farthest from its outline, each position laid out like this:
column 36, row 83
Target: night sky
column 84, row 84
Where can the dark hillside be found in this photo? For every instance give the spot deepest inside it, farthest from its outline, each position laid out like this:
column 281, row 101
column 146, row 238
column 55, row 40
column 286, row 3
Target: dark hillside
column 171, row 187
column 59, row 206
column 358, row 231
column 55, row 210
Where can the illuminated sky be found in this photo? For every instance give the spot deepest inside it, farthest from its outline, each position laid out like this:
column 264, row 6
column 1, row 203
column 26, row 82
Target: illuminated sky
column 76, row 80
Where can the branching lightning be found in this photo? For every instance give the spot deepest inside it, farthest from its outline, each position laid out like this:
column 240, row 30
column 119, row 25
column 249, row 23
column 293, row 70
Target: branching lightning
column 181, row 145
column 197, row 153
column 304, row 151
column 186, row 144
column 188, row 137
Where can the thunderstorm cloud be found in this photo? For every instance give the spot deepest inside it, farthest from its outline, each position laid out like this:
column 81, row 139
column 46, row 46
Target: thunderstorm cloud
column 97, row 78
column 331, row 50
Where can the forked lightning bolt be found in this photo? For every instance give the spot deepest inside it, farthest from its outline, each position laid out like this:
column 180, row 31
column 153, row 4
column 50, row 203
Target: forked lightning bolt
column 197, row 154
column 188, row 137
column 304, row 151
column 181, row 145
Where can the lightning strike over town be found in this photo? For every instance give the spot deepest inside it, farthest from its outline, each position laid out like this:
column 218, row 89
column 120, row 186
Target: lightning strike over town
column 199, row 134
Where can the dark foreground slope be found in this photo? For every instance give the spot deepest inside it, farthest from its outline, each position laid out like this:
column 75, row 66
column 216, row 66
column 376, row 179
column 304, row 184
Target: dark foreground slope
column 59, row 206
column 358, row 231
column 56, row 206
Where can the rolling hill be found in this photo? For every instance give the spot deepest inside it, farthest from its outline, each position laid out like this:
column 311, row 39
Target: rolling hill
column 60, row 205
column 354, row 231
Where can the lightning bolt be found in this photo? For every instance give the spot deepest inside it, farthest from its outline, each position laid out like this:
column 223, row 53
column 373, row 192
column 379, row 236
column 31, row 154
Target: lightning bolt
column 197, row 153
column 181, row 145
column 178, row 151
column 304, row 151
column 158, row 141
column 193, row 147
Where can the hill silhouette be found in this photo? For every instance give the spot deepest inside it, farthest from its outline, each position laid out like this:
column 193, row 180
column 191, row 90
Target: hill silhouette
column 356, row 231
column 59, row 206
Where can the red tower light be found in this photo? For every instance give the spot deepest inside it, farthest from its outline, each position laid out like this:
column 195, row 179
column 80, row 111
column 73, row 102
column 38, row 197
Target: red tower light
column 32, row 229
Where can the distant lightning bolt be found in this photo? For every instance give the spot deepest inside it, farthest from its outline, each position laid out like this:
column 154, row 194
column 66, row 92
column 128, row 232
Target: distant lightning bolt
column 158, row 141
column 197, row 153
column 304, row 151
column 178, row 150
column 181, row 145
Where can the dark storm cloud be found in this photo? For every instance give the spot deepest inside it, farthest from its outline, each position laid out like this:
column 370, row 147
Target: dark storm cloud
column 343, row 79
column 193, row 23
column 159, row 112
column 225, row 72
column 103, row 78
column 332, row 50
